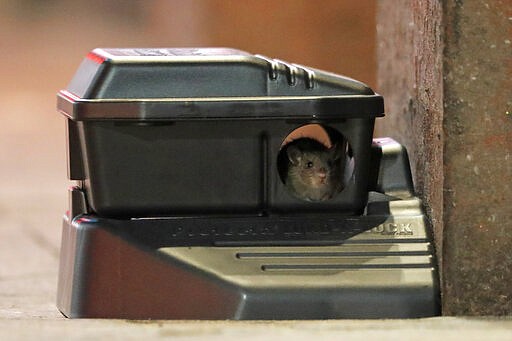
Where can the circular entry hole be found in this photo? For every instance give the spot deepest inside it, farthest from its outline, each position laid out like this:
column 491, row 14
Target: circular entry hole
column 315, row 162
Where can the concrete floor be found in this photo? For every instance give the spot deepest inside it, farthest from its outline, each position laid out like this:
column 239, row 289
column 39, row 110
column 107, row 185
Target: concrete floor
column 426, row 329
column 32, row 200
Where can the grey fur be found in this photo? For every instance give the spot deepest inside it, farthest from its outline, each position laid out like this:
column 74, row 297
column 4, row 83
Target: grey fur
column 315, row 172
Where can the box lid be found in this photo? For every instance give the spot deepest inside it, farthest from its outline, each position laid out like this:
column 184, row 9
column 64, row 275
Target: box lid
column 195, row 83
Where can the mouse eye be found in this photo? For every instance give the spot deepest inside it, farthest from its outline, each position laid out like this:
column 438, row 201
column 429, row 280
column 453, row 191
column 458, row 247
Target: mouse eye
column 309, row 164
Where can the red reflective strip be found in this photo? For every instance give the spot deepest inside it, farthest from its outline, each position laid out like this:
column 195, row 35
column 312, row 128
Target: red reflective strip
column 95, row 58
column 69, row 95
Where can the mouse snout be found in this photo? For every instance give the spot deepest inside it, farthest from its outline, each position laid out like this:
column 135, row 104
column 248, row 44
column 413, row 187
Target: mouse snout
column 322, row 173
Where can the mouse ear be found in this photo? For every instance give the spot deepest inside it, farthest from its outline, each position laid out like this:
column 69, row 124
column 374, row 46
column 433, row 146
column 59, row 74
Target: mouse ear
column 294, row 154
column 336, row 151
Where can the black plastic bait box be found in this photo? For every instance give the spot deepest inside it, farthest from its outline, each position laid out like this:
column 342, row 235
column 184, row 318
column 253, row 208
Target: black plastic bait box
column 166, row 132
column 181, row 209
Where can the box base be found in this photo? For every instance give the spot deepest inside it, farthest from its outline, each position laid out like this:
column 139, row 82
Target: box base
column 382, row 267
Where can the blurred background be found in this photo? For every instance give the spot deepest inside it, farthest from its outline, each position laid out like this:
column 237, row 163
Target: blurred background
column 43, row 42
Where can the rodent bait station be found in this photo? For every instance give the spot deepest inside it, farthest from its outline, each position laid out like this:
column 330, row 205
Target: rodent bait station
column 184, row 206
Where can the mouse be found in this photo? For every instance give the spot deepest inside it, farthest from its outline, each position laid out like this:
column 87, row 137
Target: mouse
column 313, row 172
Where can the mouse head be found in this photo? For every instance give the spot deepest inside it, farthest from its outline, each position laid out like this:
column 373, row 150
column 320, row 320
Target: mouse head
column 314, row 165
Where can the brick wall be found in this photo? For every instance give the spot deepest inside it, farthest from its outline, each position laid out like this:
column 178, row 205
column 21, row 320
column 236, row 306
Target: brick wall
column 444, row 68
